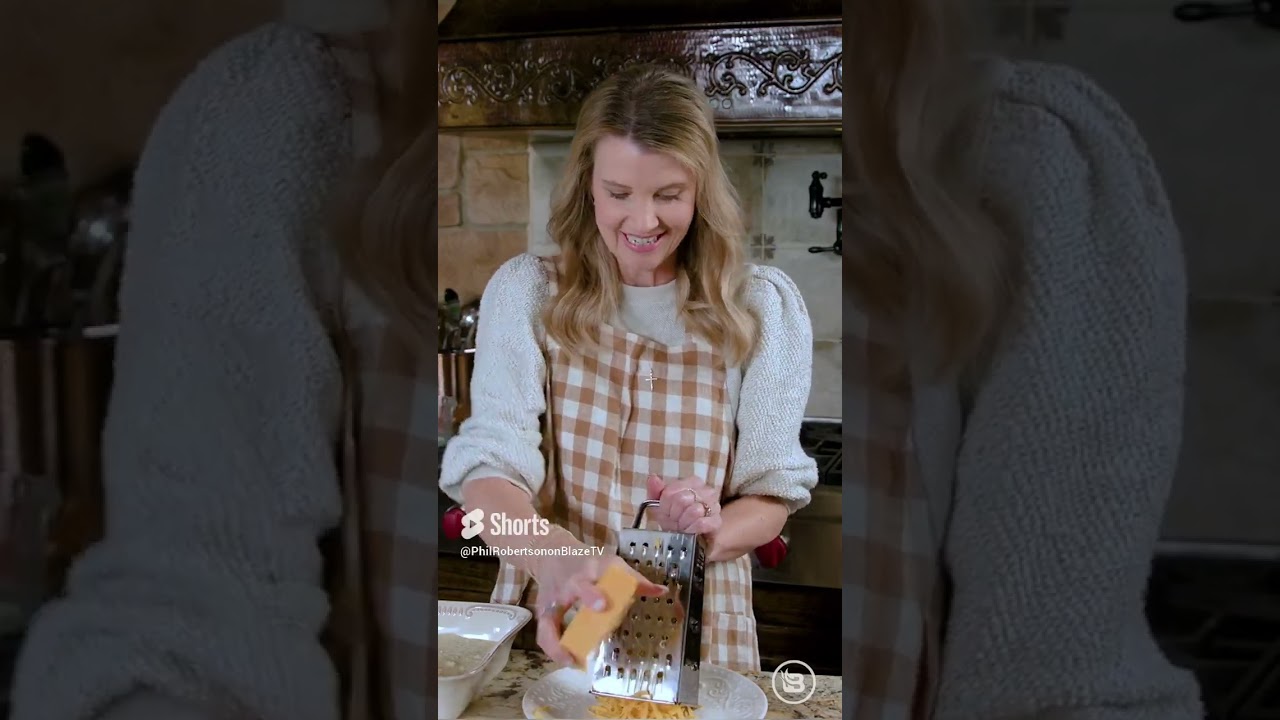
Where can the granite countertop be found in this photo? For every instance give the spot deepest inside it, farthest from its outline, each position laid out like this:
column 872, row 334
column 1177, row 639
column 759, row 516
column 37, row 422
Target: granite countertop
column 502, row 698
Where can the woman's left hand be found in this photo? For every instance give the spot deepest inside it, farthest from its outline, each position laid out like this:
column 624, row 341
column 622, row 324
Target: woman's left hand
column 687, row 506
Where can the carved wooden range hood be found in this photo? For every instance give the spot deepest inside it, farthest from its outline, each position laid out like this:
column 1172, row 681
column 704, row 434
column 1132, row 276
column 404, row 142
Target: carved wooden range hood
column 767, row 67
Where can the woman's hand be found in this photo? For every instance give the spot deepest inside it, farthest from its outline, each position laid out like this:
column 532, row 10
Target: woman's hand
column 687, row 506
column 567, row 580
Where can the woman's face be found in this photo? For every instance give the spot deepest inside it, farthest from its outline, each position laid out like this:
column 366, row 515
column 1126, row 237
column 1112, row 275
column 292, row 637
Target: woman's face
column 644, row 204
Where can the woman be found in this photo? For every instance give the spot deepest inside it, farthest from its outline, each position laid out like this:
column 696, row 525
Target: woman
column 672, row 369
column 1040, row 273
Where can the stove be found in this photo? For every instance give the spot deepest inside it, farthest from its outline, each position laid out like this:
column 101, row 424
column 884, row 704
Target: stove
column 822, row 441
column 1220, row 618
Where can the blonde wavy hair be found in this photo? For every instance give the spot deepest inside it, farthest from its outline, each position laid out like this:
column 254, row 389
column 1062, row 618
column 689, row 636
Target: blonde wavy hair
column 921, row 241
column 923, row 244
column 663, row 112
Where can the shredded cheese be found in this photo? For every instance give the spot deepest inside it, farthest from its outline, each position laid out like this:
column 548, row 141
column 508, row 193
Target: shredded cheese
column 612, row 708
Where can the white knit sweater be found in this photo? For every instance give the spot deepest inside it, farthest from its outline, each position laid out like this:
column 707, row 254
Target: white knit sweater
column 219, row 479
column 502, row 436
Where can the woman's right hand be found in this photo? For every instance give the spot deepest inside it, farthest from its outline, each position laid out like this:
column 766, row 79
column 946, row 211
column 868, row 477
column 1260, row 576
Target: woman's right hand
column 566, row 580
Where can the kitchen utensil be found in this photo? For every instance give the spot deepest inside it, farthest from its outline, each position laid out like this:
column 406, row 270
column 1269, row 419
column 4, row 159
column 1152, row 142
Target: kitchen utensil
column 468, row 323
column 446, row 412
column 44, row 218
column 453, row 378
column 54, row 393
column 101, row 296
column 97, row 248
column 724, row 695
column 452, row 315
column 657, row 648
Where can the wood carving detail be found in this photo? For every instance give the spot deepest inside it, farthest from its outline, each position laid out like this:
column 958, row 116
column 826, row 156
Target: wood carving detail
column 746, row 76
column 789, row 71
column 549, row 82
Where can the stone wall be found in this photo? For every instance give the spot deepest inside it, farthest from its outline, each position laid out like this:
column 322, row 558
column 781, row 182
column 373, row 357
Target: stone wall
column 484, row 207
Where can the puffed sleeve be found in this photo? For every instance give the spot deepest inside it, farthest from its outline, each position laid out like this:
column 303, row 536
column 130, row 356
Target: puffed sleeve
column 502, row 437
column 1072, row 440
column 205, row 597
column 775, row 392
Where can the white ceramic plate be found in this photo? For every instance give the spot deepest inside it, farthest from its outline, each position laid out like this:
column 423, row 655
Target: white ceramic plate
column 722, row 695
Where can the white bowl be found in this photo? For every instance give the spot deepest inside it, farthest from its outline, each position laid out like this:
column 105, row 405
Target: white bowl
column 486, row 621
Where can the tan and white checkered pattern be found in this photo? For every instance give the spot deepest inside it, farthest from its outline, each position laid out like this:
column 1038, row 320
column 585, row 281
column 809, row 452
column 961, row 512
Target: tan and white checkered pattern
column 896, row 584
column 383, row 578
column 631, row 408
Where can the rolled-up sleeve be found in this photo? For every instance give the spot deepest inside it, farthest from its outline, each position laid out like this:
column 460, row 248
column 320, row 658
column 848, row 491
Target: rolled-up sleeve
column 769, row 459
column 502, row 437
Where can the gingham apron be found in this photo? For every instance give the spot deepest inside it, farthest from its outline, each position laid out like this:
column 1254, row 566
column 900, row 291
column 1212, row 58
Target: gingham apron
column 615, row 415
column 896, row 591
column 380, row 568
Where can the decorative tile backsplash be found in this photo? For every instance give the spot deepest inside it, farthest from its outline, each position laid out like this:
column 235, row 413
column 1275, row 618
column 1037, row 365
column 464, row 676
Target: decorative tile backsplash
column 772, row 179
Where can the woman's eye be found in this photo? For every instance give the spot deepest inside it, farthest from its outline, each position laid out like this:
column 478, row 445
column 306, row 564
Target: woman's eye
column 618, row 196
column 668, row 198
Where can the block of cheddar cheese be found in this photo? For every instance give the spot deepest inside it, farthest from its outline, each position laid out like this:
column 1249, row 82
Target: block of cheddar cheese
column 589, row 628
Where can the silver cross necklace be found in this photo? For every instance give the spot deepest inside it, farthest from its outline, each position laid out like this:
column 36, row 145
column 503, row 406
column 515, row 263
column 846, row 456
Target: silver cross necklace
column 650, row 378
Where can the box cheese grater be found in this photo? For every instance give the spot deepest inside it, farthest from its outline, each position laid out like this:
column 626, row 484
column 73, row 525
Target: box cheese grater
column 655, row 651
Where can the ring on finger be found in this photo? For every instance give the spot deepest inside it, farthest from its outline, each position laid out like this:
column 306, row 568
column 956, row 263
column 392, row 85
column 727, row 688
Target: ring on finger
column 706, row 509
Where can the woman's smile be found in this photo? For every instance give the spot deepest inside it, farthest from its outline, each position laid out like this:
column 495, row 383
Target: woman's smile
column 643, row 243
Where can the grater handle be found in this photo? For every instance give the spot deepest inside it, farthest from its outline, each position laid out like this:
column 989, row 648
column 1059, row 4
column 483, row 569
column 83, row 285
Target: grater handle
column 640, row 513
